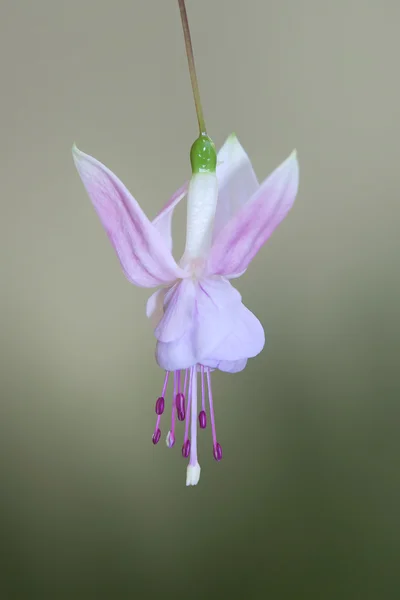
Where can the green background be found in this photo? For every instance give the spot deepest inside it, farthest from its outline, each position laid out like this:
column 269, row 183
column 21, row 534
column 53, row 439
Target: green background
column 305, row 503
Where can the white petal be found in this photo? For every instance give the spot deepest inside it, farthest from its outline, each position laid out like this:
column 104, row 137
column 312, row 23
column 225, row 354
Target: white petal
column 237, row 181
column 163, row 220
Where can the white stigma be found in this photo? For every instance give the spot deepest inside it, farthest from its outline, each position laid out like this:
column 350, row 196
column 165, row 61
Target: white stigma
column 201, row 206
column 193, row 474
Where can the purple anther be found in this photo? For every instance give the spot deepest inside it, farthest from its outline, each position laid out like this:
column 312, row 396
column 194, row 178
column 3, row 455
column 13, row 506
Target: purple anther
column 202, row 419
column 156, row 436
column 186, row 449
column 217, row 452
column 160, row 406
column 180, row 406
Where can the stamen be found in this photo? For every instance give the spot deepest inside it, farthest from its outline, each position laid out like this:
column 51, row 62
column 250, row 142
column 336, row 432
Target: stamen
column 202, row 414
column 180, row 400
column 159, row 410
column 203, row 399
column 189, row 447
column 170, row 440
column 156, row 436
column 180, row 406
column 217, row 450
column 186, row 449
column 165, row 384
column 202, row 419
column 185, row 382
column 160, row 406
column 186, row 445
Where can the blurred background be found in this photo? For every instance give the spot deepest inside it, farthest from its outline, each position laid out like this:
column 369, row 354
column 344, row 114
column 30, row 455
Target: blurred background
column 305, row 503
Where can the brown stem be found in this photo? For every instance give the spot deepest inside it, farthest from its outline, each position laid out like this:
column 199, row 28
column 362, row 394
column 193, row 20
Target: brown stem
column 192, row 68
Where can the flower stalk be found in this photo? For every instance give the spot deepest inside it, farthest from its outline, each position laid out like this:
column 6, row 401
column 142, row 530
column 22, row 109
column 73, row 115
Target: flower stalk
column 192, row 68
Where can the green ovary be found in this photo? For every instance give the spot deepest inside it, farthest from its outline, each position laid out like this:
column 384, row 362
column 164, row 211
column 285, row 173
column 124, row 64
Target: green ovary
column 203, row 156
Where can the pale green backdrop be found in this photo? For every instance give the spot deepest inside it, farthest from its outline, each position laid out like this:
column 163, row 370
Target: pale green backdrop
column 305, row 503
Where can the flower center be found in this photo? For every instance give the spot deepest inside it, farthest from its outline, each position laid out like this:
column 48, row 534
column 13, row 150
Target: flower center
column 185, row 385
column 197, row 268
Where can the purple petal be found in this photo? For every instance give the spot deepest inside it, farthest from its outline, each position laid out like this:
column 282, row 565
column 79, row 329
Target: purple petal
column 217, row 304
column 237, row 182
column 245, row 340
column 221, row 329
column 219, row 292
column 179, row 306
column 155, row 306
column 145, row 259
column 180, row 354
column 232, row 366
column 229, row 366
column 249, row 229
column 163, row 220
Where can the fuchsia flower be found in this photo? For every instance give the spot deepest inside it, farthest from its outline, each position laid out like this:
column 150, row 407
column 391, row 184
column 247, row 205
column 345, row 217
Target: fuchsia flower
column 201, row 322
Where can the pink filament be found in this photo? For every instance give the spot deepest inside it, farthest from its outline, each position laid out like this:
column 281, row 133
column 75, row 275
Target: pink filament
column 188, row 407
column 203, row 396
column 210, row 400
column 163, row 395
column 173, row 413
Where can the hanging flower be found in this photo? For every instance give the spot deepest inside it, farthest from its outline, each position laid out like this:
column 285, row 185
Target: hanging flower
column 201, row 323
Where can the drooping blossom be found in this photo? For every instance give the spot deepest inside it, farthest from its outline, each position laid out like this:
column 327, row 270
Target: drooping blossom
column 201, row 323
